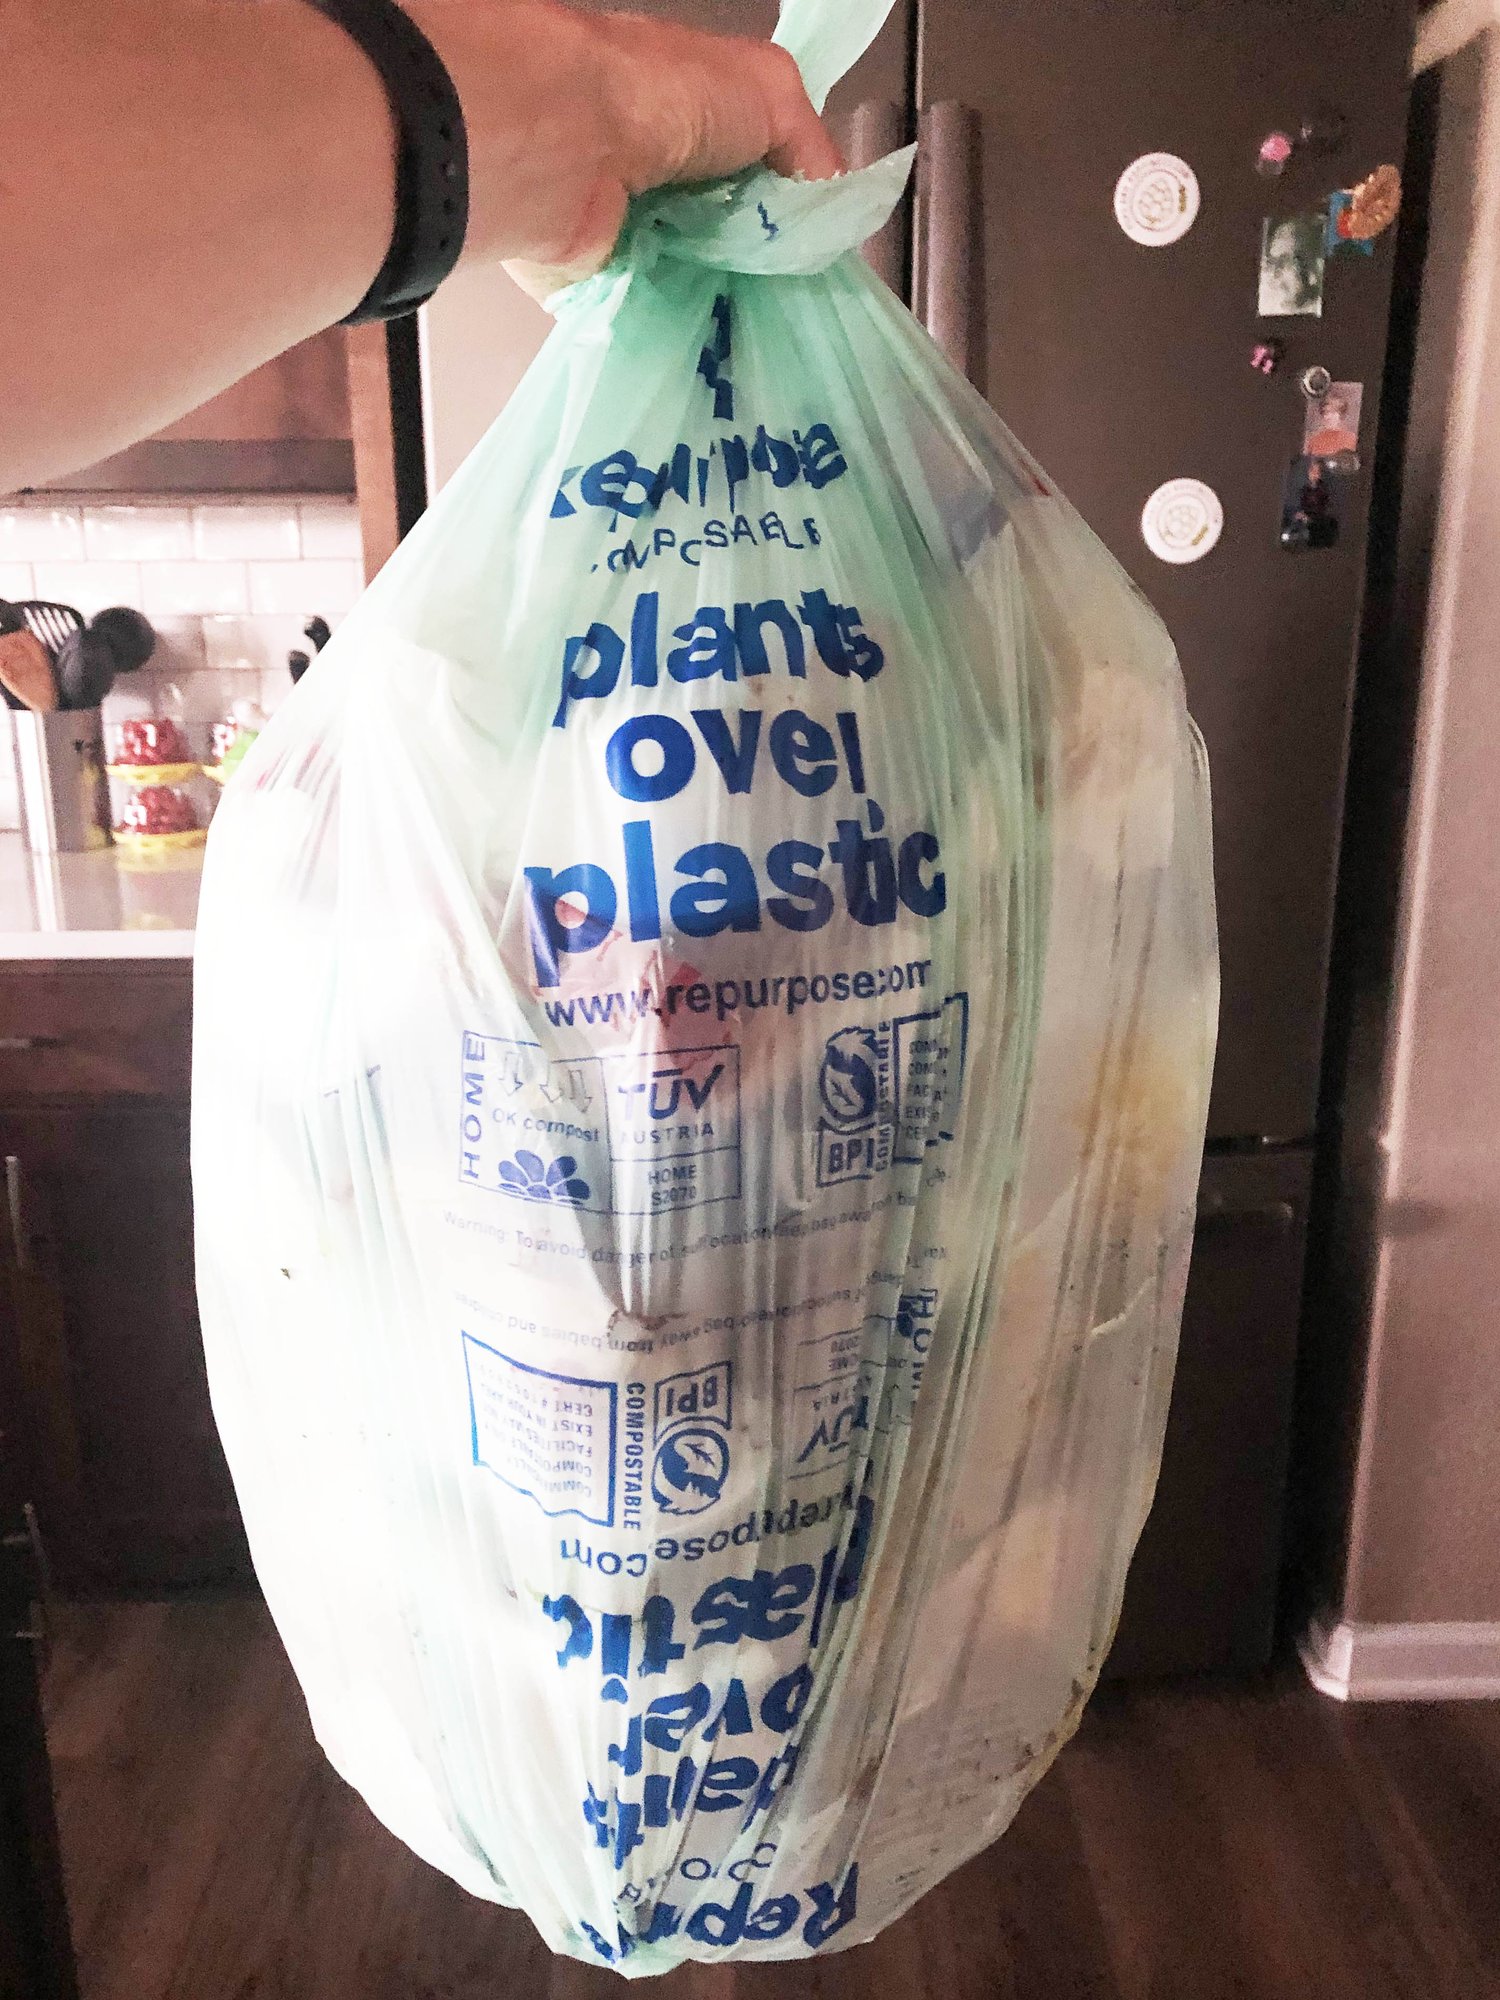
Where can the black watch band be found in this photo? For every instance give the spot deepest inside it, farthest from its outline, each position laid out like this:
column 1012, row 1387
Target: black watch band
column 432, row 156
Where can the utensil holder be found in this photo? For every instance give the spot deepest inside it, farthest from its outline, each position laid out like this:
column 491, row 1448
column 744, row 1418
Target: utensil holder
column 60, row 777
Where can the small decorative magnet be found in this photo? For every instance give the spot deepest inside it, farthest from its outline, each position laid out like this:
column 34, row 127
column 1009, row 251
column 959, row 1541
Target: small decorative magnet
column 1275, row 150
column 1330, row 424
column 1292, row 258
column 1315, row 382
column 1323, row 130
column 1373, row 206
column 1312, row 504
column 1267, row 356
column 1336, row 237
column 1182, row 521
column 1157, row 199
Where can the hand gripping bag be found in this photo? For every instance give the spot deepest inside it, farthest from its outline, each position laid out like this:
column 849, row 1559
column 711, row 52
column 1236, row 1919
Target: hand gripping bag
column 705, row 1001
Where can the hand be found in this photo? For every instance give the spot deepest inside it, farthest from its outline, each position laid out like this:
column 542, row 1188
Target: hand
column 224, row 181
column 570, row 114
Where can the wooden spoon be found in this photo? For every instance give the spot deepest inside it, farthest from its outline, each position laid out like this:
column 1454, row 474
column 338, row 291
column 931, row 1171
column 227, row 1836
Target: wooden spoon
column 26, row 669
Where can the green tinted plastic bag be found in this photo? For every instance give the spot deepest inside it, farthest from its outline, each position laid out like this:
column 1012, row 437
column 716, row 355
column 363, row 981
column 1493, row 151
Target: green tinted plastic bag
column 705, row 999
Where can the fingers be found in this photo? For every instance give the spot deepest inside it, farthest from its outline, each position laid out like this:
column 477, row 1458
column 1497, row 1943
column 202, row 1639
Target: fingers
column 688, row 106
column 662, row 104
column 800, row 143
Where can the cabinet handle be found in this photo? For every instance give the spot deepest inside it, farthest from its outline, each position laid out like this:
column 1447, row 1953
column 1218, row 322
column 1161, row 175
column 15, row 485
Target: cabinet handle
column 13, row 1202
column 875, row 129
column 1277, row 1215
column 30, row 1537
column 948, row 204
column 13, row 1044
column 39, row 1632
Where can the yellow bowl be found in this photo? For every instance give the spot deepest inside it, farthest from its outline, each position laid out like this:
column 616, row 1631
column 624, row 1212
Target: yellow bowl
column 153, row 774
column 152, row 849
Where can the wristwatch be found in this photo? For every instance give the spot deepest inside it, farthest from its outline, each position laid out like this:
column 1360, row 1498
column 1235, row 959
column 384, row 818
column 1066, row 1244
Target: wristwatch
column 432, row 156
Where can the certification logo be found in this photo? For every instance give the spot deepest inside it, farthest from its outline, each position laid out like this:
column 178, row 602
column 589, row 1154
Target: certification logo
column 889, row 1092
column 690, row 1469
column 691, row 1430
column 849, row 1079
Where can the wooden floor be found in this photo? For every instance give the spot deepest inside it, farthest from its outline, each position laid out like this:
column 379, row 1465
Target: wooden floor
column 1194, row 1842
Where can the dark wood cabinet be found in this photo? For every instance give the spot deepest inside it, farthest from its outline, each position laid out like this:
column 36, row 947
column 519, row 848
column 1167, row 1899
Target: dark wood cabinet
column 132, row 1491
column 36, row 1955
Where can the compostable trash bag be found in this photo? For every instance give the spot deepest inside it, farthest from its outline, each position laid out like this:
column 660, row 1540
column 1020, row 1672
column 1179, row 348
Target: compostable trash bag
column 705, row 1002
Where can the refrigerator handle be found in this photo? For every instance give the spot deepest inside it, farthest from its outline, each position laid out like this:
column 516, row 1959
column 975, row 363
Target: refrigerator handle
column 948, row 294
column 875, row 128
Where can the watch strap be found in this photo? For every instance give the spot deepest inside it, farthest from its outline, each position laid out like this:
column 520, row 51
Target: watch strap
column 432, row 158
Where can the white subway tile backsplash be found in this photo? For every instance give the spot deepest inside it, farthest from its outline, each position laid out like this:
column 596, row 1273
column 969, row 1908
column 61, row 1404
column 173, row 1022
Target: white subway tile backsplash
column 228, row 586
column 89, row 586
column 264, row 532
column 330, row 528
column 275, row 686
column 252, row 644
column 207, row 697
column 132, row 696
column 237, row 644
column 194, row 586
column 137, row 534
column 41, row 534
column 328, row 588
column 179, row 648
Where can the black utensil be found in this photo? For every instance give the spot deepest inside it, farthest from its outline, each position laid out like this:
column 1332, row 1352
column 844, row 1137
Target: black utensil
column 131, row 637
column 319, row 631
column 297, row 664
column 86, row 669
column 51, row 623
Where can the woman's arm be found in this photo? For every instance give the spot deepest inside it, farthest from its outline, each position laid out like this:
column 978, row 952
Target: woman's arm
column 188, row 187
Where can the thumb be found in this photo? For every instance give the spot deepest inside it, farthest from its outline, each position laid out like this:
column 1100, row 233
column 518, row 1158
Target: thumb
column 598, row 230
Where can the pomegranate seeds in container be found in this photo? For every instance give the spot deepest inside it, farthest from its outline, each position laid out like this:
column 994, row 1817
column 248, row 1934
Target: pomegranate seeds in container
column 149, row 750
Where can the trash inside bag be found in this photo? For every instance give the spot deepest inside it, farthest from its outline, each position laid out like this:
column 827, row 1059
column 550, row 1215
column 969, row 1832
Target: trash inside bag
column 705, row 1002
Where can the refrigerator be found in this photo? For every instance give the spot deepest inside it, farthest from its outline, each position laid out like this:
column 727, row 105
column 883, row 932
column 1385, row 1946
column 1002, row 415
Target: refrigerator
column 1116, row 231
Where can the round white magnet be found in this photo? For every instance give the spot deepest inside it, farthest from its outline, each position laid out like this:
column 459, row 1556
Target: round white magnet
column 1157, row 199
column 1182, row 520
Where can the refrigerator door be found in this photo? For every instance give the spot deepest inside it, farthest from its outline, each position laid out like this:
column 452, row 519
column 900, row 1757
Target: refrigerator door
column 480, row 331
column 1124, row 366
column 1201, row 1592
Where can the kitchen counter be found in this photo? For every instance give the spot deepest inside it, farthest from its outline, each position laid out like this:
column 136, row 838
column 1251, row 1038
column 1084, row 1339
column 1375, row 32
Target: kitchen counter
column 103, row 905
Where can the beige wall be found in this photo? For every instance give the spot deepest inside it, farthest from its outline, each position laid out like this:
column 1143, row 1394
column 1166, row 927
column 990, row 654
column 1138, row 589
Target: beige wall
column 1412, row 1305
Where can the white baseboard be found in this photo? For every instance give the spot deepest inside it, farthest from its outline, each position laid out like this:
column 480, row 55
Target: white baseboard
column 1423, row 1662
